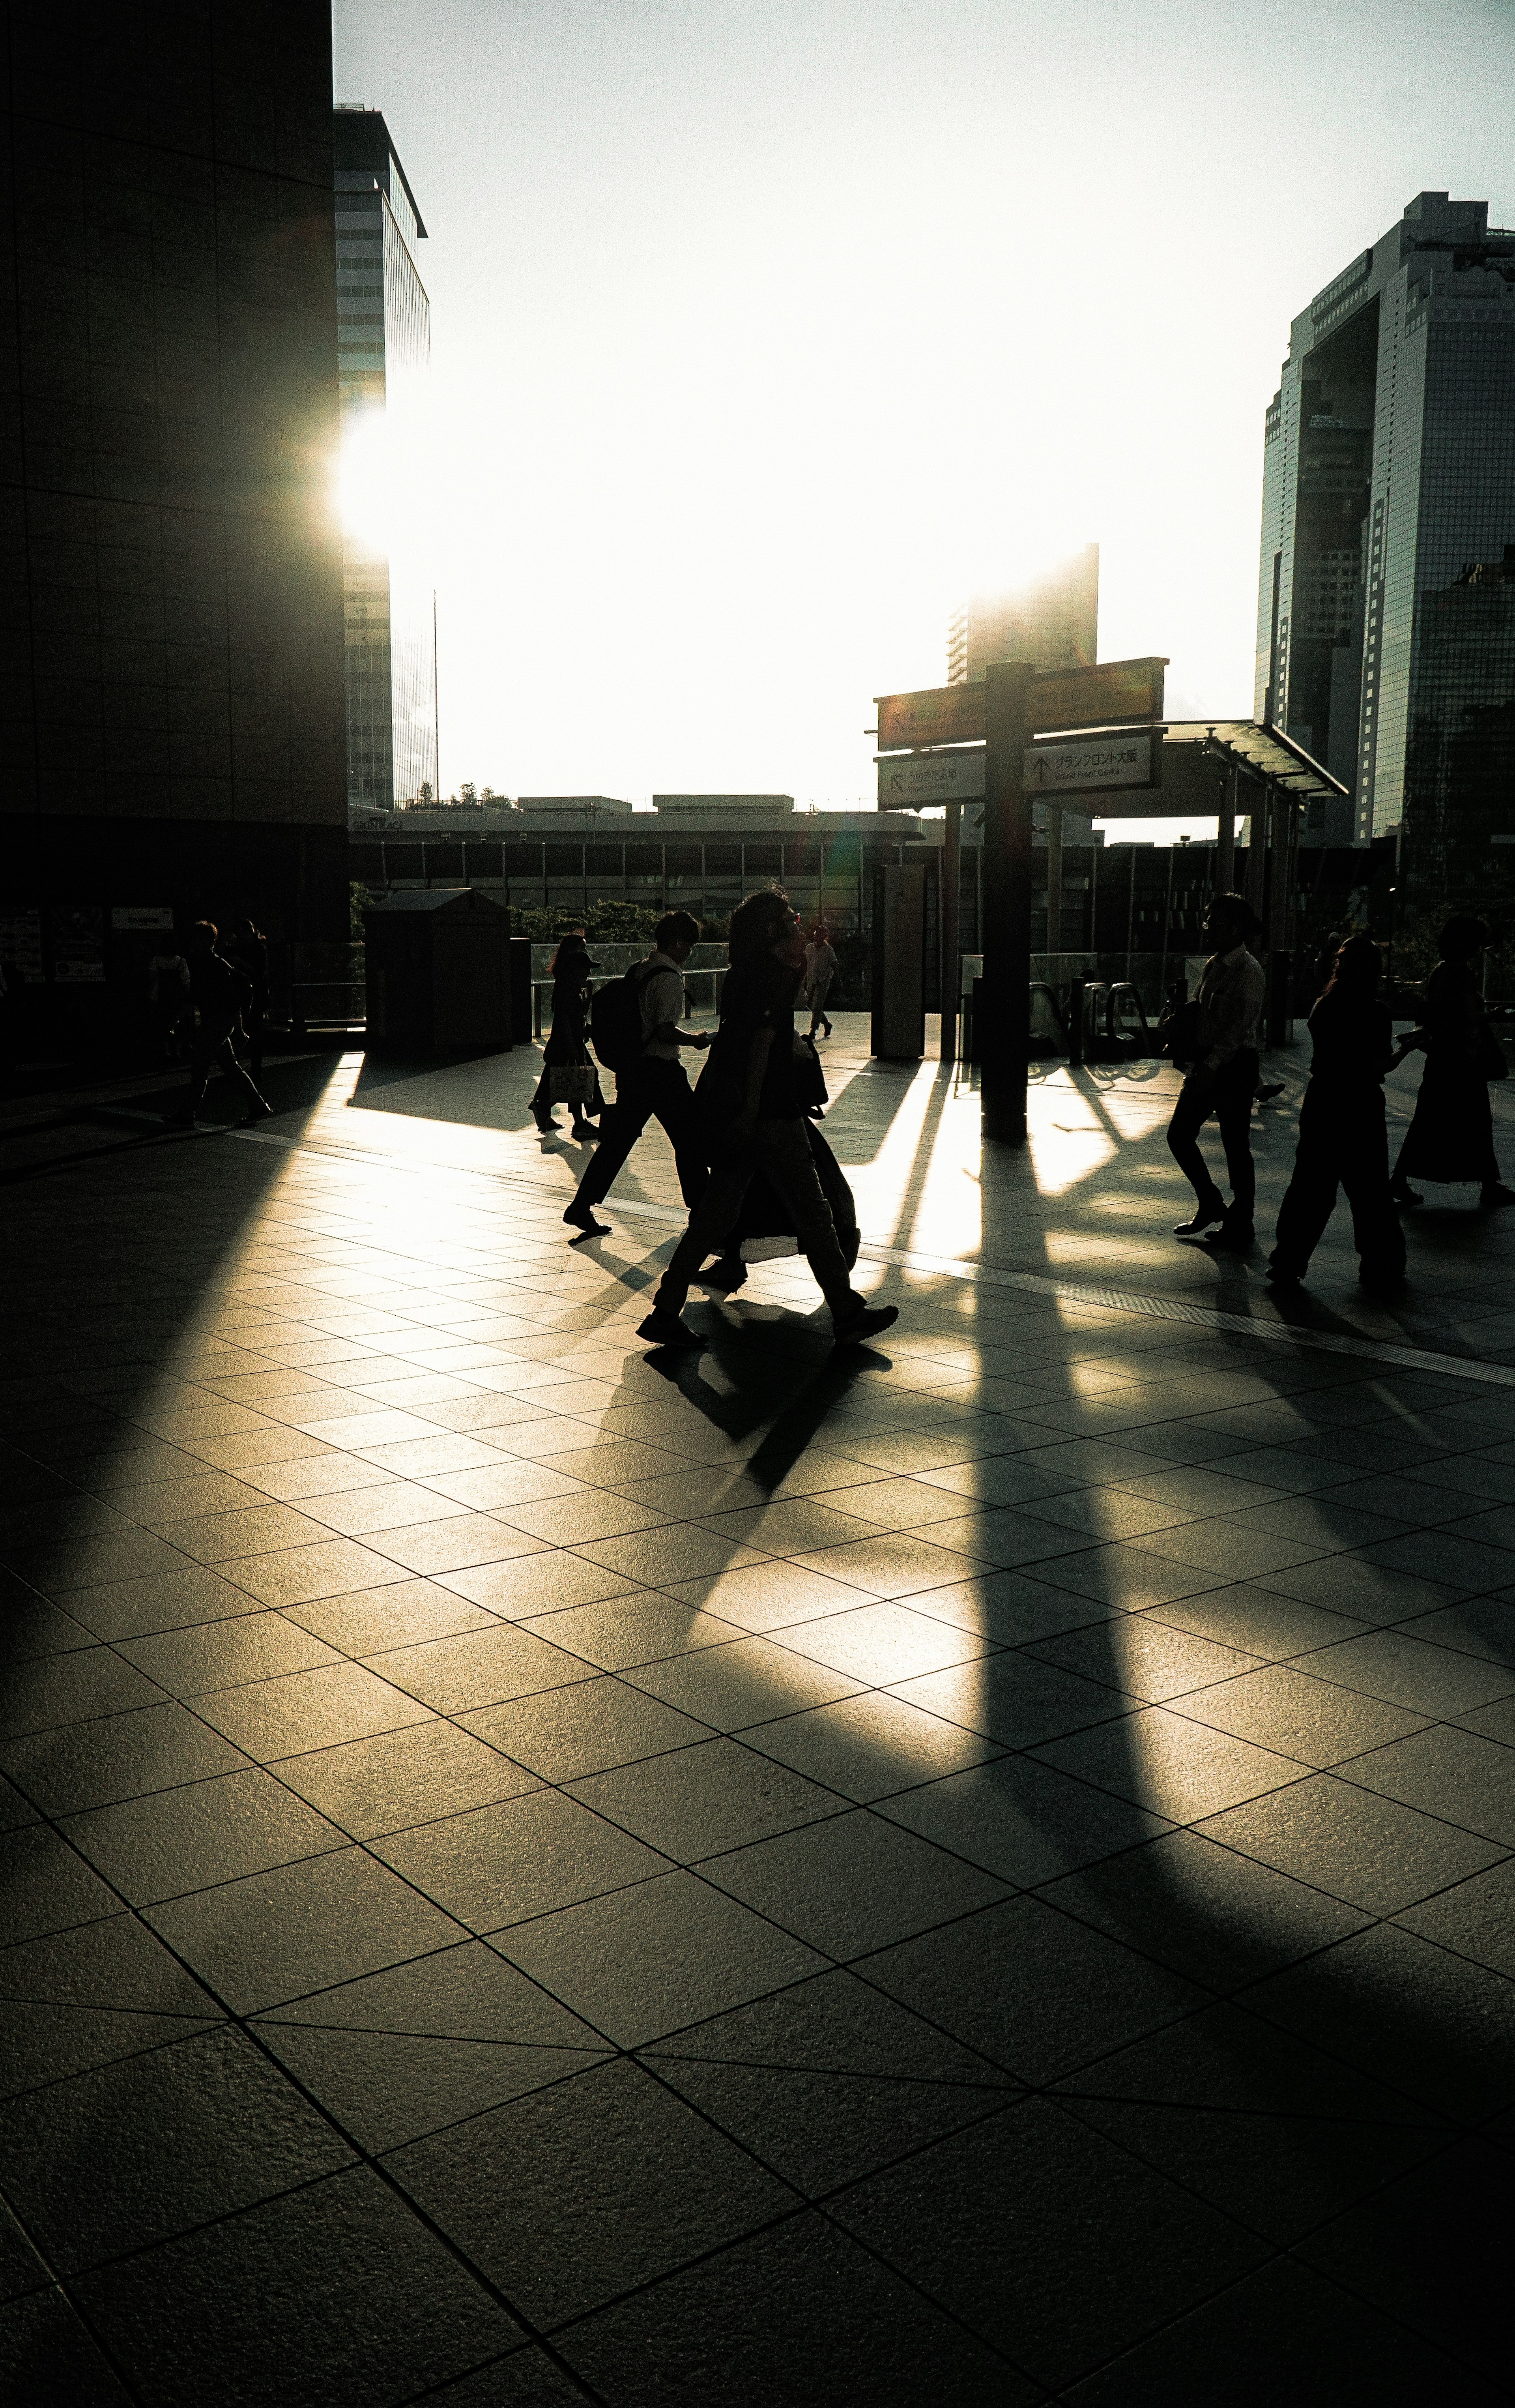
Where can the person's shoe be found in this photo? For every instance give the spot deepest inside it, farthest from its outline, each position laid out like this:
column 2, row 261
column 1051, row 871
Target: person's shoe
column 584, row 1135
column 544, row 1123
column 1403, row 1192
column 581, row 1217
column 865, row 1323
column 1205, row 1218
column 1495, row 1193
column 728, row 1274
column 664, row 1328
column 1266, row 1094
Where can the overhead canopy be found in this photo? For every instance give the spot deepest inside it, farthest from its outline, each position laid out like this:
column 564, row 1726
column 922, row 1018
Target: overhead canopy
column 1265, row 750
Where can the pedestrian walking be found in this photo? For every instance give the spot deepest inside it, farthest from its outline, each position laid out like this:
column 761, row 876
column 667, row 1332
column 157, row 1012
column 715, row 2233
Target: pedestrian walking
column 1228, row 1008
column 650, row 1085
column 247, row 948
column 765, row 1213
column 819, row 970
column 755, row 1122
column 569, row 1073
column 1343, row 1138
column 169, row 998
column 1449, row 1142
column 219, row 994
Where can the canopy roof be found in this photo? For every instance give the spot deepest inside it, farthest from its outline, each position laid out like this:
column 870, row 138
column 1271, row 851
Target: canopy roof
column 1265, row 750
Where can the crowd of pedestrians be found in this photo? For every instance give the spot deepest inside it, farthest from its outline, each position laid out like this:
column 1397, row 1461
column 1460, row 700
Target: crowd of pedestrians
column 1343, row 1135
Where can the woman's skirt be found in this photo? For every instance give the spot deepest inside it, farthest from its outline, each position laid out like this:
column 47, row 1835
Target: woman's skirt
column 1451, row 1139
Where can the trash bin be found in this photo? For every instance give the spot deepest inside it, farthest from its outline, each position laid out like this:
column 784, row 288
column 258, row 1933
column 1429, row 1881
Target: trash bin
column 438, row 971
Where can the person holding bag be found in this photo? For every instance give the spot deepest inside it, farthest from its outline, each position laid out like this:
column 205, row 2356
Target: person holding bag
column 1451, row 1139
column 568, row 1073
column 1343, row 1140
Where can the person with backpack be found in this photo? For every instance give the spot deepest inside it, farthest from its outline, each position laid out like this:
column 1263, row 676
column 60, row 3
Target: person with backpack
column 219, row 994
column 636, row 1035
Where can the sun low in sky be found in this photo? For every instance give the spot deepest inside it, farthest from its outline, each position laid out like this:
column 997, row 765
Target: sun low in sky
column 762, row 337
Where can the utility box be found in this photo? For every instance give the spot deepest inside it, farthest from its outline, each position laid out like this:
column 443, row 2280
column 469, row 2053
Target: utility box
column 438, row 971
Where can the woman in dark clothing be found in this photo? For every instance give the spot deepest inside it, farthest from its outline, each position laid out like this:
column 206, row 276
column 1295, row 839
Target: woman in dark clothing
column 566, row 1048
column 1451, row 1139
column 1343, row 1138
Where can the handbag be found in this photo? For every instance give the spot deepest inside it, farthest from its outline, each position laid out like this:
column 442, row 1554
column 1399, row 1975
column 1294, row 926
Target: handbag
column 1490, row 1059
column 572, row 1082
column 1185, row 1033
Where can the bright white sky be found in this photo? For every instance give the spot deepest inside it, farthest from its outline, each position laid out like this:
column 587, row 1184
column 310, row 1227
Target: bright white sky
column 763, row 333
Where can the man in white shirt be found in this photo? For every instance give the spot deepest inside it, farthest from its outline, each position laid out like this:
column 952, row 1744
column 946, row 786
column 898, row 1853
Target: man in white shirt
column 1224, row 1078
column 655, row 1086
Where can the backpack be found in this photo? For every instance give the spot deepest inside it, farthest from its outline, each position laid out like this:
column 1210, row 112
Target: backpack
column 615, row 1019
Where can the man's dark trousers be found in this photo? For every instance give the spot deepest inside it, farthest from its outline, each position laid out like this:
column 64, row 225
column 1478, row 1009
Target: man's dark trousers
column 1228, row 1093
column 649, row 1090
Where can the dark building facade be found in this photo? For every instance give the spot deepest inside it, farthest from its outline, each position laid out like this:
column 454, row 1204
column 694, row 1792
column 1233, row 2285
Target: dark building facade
column 172, row 578
column 1386, row 596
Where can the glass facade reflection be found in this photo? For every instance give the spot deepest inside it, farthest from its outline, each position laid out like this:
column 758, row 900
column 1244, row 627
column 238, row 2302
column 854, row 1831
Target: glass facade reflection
column 384, row 357
column 1386, row 593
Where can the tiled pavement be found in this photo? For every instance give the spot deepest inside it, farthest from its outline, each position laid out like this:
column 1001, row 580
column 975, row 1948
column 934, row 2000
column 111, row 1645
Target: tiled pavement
column 979, row 1874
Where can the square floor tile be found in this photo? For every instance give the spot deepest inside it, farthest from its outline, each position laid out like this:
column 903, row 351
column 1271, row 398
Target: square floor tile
column 307, row 1709
column 1045, row 2239
column 479, row 1668
column 46, row 1885
column 595, row 1724
column 521, row 1857
column 125, row 1756
column 196, row 2129
column 162, row 1601
column 1145, row 1657
column 1022, row 1820
column 883, row 1644
column 223, row 1655
column 797, row 2313
column 655, row 2186
column 466, row 1992
column 336, row 2287
column 399, row 1615
column 700, row 1799
column 1163, row 1760
column 1425, row 1680
column 181, row 1839
column 751, row 1681
column 852, row 1883
column 1015, row 1699
column 647, row 1962
column 1031, row 1989
column 1215, row 1916
column 399, row 1778
column 869, row 1746
column 51, row 1690
column 620, row 1632
column 276, row 1936
column 762, row 1596
column 387, row 2088
column 295, row 1575
column 1285, row 1707
column 1451, row 1773
column 538, row 1584
column 1371, row 1851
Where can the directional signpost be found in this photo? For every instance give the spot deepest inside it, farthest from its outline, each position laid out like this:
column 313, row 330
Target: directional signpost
column 1014, row 714
column 921, row 780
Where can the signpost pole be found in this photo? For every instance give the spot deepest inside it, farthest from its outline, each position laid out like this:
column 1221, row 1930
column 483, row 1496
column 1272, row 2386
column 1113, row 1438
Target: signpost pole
column 1003, row 1044
column 1054, row 889
column 952, row 974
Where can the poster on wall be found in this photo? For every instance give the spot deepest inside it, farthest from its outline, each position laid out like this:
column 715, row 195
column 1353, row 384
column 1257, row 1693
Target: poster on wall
column 139, row 917
column 78, row 944
column 20, row 946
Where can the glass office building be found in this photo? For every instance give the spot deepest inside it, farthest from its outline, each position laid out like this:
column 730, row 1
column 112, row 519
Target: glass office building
column 383, row 321
column 1386, row 593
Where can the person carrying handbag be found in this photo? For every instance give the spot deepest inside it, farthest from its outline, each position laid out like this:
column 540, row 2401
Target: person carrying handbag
column 568, row 1073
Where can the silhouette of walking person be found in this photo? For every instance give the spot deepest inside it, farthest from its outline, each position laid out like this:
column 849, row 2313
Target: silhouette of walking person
column 567, row 1048
column 1223, row 1079
column 1449, row 1142
column 1343, row 1136
column 652, row 1084
column 755, row 1118
column 219, row 994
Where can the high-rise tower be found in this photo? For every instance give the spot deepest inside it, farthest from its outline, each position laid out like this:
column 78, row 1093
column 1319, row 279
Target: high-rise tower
column 383, row 326
column 1051, row 621
column 1386, row 596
